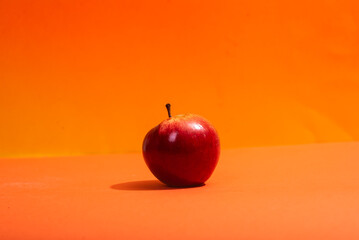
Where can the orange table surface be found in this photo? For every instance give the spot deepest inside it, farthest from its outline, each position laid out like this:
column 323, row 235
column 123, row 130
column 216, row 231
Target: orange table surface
column 291, row 192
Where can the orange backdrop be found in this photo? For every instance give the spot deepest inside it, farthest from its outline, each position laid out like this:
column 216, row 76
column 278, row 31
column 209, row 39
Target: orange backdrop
column 85, row 77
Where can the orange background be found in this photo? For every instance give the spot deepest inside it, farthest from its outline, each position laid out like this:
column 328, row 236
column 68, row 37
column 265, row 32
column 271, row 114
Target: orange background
column 271, row 193
column 86, row 77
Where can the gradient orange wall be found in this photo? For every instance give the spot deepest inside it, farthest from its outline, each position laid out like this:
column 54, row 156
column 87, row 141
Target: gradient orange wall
column 85, row 77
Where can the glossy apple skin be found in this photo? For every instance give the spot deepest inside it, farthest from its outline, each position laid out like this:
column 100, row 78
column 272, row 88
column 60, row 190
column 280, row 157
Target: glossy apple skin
column 182, row 151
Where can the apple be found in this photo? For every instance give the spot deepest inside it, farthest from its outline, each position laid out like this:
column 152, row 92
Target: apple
column 182, row 151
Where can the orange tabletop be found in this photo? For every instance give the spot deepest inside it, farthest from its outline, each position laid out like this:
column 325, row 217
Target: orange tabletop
column 292, row 192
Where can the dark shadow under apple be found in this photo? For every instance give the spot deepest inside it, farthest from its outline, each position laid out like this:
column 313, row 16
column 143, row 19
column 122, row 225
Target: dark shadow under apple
column 146, row 185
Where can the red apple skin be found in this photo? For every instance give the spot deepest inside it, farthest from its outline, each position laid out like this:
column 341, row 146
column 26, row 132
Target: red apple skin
column 182, row 151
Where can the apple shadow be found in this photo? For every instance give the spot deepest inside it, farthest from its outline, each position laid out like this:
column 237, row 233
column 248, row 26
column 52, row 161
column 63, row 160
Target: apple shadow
column 146, row 185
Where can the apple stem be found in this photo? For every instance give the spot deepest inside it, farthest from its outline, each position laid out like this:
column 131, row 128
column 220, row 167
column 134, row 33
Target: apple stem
column 168, row 106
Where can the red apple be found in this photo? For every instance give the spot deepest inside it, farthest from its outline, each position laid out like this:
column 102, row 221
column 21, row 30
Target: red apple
column 182, row 151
